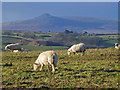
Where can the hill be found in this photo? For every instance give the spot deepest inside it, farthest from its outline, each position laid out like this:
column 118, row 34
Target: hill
column 47, row 22
column 63, row 40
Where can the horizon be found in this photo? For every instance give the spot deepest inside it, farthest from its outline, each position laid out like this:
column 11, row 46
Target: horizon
column 13, row 11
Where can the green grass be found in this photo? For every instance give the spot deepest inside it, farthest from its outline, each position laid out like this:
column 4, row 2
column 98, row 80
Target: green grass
column 105, row 37
column 45, row 36
column 108, row 43
column 108, row 40
column 99, row 68
column 42, row 34
column 38, row 48
column 10, row 39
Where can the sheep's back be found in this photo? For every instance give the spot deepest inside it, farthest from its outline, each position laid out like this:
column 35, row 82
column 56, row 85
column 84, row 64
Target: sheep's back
column 13, row 46
column 47, row 57
column 78, row 47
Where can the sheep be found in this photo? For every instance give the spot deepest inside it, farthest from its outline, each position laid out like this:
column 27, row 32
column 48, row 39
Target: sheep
column 77, row 48
column 46, row 58
column 117, row 46
column 15, row 51
column 14, row 47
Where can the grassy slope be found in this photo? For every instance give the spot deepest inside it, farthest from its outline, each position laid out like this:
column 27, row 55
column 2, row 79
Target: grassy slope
column 108, row 41
column 38, row 48
column 10, row 39
column 97, row 69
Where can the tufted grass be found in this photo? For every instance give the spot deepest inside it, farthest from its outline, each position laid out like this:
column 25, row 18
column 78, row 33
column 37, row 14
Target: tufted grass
column 99, row 68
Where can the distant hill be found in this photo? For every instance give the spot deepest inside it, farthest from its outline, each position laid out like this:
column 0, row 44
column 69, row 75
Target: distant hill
column 47, row 22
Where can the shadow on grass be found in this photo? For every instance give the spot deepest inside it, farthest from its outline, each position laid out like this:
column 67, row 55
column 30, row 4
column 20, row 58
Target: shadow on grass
column 7, row 64
column 107, row 70
column 26, row 83
column 80, row 76
column 43, row 71
column 30, row 71
column 112, row 71
column 68, row 69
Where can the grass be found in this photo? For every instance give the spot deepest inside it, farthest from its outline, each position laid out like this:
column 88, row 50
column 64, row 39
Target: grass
column 38, row 48
column 106, row 37
column 43, row 34
column 99, row 68
column 108, row 43
column 8, row 39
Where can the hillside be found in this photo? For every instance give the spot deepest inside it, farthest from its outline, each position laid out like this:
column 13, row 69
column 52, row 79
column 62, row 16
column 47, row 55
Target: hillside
column 47, row 22
column 48, row 40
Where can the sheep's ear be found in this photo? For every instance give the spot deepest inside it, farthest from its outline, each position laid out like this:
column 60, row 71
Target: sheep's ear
column 36, row 63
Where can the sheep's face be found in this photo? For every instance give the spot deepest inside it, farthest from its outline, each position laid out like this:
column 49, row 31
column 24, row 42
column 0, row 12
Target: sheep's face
column 35, row 66
column 69, row 52
column 116, row 44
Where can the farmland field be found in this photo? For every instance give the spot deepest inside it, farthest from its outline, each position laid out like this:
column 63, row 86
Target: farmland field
column 99, row 68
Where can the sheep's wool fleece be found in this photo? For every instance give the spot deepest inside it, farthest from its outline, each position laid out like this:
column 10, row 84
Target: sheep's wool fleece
column 78, row 47
column 117, row 47
column 47, row 57
column 13, row 46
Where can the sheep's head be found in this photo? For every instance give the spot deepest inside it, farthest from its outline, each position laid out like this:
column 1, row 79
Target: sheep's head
column 35, row 65
column 69, row 51
column 116, row 44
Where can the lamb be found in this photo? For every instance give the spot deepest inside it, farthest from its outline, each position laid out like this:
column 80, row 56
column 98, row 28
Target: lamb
column 77, row 48
column 14, row 47
column 46, row 58
column 117, row 46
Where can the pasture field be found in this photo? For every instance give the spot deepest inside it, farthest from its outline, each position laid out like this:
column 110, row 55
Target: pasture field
column 37, row 48
column 99, row 68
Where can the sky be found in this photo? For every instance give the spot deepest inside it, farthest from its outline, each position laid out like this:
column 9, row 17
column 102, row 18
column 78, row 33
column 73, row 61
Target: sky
column 12, row 11
column 60, row 0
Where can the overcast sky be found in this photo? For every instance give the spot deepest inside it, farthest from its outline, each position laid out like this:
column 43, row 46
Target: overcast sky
column 12, row 11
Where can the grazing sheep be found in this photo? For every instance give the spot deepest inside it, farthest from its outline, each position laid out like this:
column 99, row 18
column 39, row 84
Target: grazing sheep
column 77, row 48
column 15, row 50
column 46, row 58
column 117, row 46
column 14, row 47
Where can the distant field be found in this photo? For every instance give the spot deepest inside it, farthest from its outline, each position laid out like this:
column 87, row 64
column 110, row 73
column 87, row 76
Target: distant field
column 38, row 48
column 109, row 40
column 105, row 37
column 34, row 44
column 43, row 34
column 99, row 68
column 8, row 39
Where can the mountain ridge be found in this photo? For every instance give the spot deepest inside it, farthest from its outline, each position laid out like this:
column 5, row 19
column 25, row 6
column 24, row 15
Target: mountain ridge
column 47, row 22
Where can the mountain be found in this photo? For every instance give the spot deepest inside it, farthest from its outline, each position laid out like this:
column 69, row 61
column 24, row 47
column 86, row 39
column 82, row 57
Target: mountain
column 47, row 22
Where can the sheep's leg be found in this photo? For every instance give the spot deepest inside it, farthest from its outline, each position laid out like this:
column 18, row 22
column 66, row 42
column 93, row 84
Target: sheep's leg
column 48, row 67
column 74, row 53
column 83, row 53
column 53, row 68
column 41, row 67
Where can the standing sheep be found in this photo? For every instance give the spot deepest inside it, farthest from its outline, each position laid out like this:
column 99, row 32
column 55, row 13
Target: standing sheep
column 13, row 47
column 117, row 46
column 77, row 48
column 46, row 58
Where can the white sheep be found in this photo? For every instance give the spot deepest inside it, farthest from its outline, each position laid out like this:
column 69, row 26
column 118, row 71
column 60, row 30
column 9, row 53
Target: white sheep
column 13, row 47
column 117, row 46
column 15, row 50
column 46, row 58
column 77, row 48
